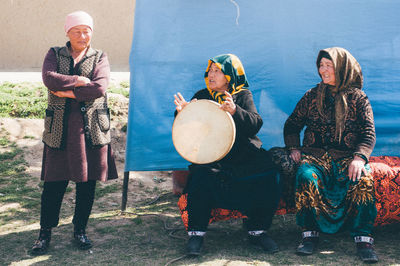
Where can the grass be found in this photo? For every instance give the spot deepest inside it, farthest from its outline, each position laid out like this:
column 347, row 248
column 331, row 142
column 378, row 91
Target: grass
column 122, row 88
column 22, row 100
column 29, row 99
column 150, row 232
column 102, row 190
column 131, row 239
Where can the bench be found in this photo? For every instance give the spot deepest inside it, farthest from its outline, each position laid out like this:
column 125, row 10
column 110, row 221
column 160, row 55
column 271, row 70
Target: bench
column 386, row 172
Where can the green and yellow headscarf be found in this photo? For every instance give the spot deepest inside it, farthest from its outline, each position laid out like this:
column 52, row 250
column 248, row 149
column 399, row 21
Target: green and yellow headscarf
column 233, row 70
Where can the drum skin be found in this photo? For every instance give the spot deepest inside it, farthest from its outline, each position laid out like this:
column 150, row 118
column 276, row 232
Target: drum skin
column 203, row 133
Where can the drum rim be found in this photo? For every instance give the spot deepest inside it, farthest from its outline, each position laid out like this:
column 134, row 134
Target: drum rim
column 230, row 118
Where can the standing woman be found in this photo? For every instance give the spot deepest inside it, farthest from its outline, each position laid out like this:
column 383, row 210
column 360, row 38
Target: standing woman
column 334, row 187
column 245, row 179
column 77, row 129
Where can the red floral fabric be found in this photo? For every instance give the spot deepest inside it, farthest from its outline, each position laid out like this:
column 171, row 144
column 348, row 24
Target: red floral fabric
column 216, row 214
column 386, row 172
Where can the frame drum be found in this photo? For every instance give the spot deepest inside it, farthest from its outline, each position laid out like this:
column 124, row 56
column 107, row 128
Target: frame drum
column 202, row 132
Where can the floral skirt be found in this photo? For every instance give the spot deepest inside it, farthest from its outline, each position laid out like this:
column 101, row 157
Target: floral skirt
column 328, row 201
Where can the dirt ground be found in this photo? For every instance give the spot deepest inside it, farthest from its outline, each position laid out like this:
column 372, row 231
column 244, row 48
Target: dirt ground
column 151, row 232
column 27, row 134
column 129, row 239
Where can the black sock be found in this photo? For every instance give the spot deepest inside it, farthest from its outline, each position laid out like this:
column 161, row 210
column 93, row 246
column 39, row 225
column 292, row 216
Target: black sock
column 45, row 233
column 79, row 231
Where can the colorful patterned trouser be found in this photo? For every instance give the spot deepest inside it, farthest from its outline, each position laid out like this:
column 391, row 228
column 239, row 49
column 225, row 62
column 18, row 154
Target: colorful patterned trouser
column 328, row 201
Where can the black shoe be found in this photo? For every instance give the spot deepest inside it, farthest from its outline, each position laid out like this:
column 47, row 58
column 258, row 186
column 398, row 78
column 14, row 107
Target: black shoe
column 308, row 243
column 307, row 246
column 40, row 247
column 194, row 245
column 265, row 242
column 366, row 252
column 81, row 240
column 42, row 243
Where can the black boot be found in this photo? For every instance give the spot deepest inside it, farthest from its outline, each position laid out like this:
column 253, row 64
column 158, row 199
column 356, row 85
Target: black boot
column 265, row 242
column 81, row 239
column 308, row 243
column 194, row 245
column 365, row 249
column 42, row 243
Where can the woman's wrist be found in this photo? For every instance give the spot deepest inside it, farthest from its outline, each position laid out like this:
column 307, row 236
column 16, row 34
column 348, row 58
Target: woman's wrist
column 358, row 155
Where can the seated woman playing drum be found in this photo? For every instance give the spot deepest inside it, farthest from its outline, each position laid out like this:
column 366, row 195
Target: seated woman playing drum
column 245, row 179
column 334, row 187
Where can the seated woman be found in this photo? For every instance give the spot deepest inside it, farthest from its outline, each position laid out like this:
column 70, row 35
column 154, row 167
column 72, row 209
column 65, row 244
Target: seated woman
column 244, row 179
column 334, row 187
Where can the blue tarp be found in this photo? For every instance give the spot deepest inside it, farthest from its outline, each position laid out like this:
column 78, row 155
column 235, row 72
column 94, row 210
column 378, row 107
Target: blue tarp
column 277, row 42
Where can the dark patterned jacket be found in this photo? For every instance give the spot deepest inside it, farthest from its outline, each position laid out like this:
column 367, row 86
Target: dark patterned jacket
column 359, row 133
column 96, row 115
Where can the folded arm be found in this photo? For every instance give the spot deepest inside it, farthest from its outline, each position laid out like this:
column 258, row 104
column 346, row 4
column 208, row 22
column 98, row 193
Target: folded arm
column 74, row 86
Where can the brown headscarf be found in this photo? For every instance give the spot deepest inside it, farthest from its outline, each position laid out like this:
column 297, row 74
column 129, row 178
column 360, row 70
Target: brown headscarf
column 348, row 76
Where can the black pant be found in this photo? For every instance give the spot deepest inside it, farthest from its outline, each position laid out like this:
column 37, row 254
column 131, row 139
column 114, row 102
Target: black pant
column 52, row 196
column 255, row 196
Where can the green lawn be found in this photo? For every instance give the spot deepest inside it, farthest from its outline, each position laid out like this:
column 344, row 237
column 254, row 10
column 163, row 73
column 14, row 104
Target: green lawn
column 29, row 99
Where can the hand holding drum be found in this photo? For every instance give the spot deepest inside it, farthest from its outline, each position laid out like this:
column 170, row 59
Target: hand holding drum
column 180, row 102
column 202, row 131
column 228, row 106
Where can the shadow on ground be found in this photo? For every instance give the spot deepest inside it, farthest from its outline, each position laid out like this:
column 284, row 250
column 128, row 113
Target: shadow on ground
column 157, row 237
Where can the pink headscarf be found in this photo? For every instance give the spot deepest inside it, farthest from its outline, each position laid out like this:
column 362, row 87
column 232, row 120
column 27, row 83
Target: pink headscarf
column 78, row 18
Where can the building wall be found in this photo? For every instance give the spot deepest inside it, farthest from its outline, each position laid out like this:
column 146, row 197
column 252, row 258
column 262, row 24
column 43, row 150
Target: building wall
column 30, row 27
